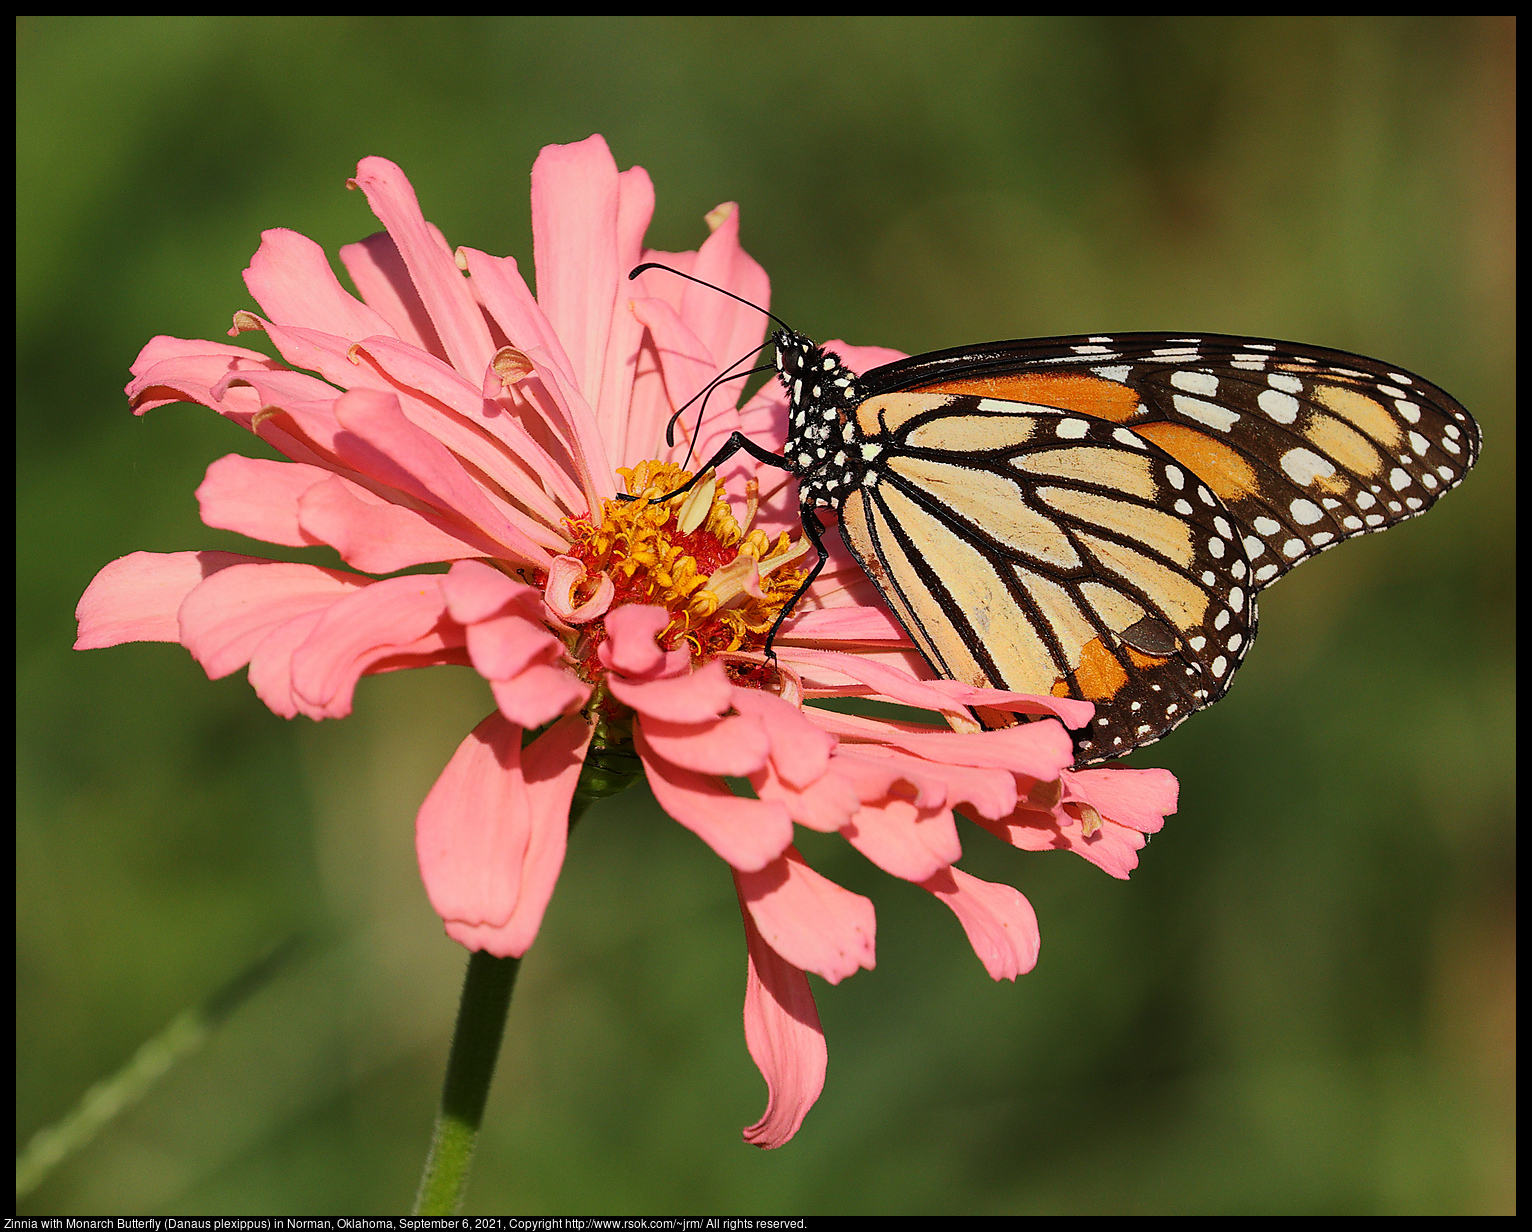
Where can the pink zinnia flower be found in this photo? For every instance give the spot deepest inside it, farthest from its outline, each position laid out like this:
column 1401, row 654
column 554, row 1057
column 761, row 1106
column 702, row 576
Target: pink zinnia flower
column 453, row 418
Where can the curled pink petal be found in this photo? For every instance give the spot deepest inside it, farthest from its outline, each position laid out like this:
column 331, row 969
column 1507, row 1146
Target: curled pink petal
column 490, row 835
column 808, row 919
column 1000, row 923
column 800, row 750
column 505, row 646
column 735, row 746
column 749, row 834
column 826, row 804
column 457, row 319
column 228, row 616
column 704, row 694
column 476, row 591
column 631, row 648
column 903, row 840
column 395, row 616
column 564, row 575
column 1140, row 799
column 540, row 693
column 784, row 1037
column 1111, row 847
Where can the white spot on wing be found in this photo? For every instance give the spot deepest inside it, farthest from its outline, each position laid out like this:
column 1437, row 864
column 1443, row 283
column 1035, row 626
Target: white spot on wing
column 1280, row 406
column 1304, row 466
column 1210, row 414
column 1305, row 512
column 1203, row 383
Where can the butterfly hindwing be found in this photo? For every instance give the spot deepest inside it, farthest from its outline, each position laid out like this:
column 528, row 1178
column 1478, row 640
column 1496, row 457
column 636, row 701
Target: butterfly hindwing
column 1050, row 552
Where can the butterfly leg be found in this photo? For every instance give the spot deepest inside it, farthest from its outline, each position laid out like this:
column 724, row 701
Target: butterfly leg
column 732, row 446
column 815, row 531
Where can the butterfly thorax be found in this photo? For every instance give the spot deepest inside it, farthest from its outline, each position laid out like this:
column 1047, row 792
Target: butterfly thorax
column 824, row 444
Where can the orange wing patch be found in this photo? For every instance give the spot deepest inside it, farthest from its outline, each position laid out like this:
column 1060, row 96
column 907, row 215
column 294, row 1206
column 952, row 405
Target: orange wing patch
column 1218, row 465
column 1087, row 395
column 1100, row 676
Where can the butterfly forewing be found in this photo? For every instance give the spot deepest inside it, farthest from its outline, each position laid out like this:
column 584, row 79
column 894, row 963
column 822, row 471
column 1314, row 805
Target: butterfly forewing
column 1307, row 447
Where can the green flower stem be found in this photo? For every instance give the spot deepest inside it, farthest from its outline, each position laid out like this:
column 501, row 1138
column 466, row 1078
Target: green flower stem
column 470, row 1067
column 481, row 1018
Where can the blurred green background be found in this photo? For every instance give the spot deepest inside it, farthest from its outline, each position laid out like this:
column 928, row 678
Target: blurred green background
column 1302, row 1002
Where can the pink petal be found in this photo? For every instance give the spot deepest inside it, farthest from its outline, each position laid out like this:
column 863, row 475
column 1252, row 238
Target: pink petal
column 505, row 646
column 468, row 419
column 292, row 281
column 379, row 441
column 945, row 694
column 784, row 1037
column 727, row 328
column 136, row 598
column 734, row 746
column 800, row 751
column 825, row 805
column 378, row 536
column 843, row 625
column 989, row 792
column 258, row 497
column 510, row 303
column 226, row 618
column 456, row 317
column 749, row 834
column 564, row 575
column 872, row 771
column 613, row 402
column 490, row 836
column 705, row 694
column 271, row 669
column 566, row 407
column 380, row 275
column 476, row 591
column 808, row 919
column 1112, row 848
column 540, row 693
column 687, row 365
column 630, row 647
column 1140, row 799
column 575, row 199
column 905, row 841
column 1041, row 750
column 183, row 370
column 394, row 616
column 271, row 666
column 1000, row 923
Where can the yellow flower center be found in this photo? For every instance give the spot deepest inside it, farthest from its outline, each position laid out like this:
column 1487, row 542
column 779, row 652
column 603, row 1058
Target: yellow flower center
column 723, row 584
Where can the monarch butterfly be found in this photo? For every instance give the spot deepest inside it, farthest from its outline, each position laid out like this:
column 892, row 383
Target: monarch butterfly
column 1093, row 516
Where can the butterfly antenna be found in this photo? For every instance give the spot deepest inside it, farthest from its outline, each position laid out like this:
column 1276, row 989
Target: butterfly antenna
column 649, row 265
column 707, row 393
